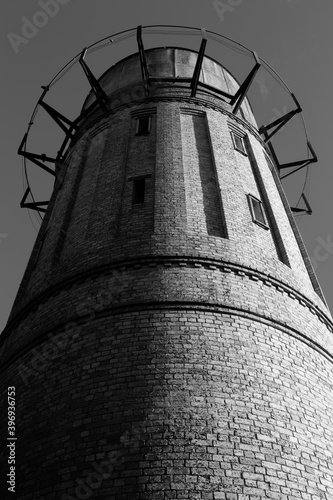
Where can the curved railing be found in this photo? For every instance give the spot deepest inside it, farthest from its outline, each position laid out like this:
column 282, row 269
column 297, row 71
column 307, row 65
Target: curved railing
column 266, row 90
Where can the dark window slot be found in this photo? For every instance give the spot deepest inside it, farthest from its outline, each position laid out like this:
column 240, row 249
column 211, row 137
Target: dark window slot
column 139, row 191
column 143, row 125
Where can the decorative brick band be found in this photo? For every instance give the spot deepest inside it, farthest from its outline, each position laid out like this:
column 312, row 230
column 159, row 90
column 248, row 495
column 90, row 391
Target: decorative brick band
column 76, row 323
column 172, row 261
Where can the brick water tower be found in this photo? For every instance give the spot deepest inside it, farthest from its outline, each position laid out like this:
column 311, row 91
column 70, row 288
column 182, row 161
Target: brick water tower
column 169, row 339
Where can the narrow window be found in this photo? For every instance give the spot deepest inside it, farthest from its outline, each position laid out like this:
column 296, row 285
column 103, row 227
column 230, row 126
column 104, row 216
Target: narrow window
column 257, row 211
column 138, row 191
column 239, row 143
column 143, row 125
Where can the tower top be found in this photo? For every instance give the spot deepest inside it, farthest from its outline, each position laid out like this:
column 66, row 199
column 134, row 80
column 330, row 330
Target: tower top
column 198, row 63
column 173, row 66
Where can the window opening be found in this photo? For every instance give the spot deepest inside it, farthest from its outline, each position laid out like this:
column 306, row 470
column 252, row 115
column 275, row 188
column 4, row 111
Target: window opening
column 143, row 125
column 139, row 191
column 257, row 211
column 239, row 143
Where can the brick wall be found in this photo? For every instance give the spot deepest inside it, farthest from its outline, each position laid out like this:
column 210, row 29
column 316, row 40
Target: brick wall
column 165, row 350
column 176, row 402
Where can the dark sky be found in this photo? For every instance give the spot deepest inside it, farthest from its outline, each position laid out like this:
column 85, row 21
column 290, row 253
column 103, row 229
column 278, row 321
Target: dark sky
column 293, row 36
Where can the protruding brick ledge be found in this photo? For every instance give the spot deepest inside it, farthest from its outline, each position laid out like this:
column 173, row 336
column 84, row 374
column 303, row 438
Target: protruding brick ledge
column 171, row 261
column 76, row 323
